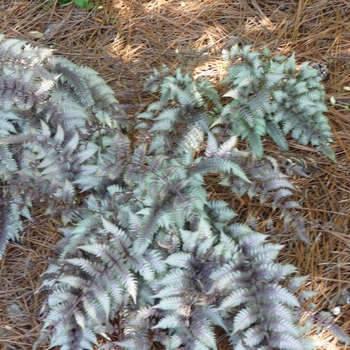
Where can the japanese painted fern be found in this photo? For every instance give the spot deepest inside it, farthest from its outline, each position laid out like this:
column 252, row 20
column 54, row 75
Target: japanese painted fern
column 271, row 96
column 145, row 249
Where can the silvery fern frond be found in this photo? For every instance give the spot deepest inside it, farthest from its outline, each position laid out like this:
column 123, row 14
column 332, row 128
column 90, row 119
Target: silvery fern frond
column 271, row 96
column 180, row 117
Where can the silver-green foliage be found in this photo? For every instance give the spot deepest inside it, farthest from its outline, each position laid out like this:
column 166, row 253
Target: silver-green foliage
column 144, row 244
column 52, row 116
column 271, row 96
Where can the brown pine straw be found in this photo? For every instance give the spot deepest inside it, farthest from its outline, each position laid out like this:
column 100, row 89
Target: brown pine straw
column 124, row 40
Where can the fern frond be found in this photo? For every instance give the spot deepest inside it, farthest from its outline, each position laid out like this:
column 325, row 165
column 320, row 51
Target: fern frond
column 70, row 73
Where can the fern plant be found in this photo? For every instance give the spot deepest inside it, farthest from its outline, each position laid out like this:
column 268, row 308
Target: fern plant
column 271, row 96
column 53, row 115
column 144, row 248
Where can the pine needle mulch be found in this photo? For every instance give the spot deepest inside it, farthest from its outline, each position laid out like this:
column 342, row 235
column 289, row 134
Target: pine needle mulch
column 124, row 40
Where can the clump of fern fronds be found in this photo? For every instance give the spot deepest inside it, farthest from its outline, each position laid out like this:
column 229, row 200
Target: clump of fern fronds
column 52, row 115
column 270, row 95
column 142, row 240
